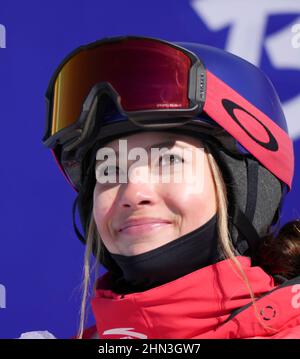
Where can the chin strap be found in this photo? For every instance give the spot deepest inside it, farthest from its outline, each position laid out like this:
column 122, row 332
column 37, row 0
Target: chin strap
column 248, row 238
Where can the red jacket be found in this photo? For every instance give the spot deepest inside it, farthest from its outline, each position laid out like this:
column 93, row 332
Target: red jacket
column 210, row 303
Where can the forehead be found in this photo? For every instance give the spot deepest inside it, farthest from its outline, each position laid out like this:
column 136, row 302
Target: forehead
column 149, row 138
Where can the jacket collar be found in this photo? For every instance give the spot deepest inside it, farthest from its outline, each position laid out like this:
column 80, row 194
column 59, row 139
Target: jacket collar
column 197, row 305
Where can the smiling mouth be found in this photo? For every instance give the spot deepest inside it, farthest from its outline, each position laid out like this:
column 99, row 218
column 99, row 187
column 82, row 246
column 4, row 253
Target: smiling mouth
column 143, row 228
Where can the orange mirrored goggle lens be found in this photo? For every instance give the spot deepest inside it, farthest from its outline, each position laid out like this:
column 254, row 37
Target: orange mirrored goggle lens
column 147, row 75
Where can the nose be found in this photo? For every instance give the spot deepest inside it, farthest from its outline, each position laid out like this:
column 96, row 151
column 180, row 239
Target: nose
column 138, row 193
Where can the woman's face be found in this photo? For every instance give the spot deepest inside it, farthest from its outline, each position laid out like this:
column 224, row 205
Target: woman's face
column 168, row 194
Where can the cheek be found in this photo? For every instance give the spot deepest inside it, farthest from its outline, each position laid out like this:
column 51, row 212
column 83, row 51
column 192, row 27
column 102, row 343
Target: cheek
column 188, row 199
column 194, row 200
column 103, row 203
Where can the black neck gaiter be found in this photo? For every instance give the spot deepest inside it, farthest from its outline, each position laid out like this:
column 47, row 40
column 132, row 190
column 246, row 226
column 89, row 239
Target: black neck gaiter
column 175, row 259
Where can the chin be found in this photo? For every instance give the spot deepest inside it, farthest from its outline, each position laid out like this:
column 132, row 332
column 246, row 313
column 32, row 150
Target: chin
column 144, row 249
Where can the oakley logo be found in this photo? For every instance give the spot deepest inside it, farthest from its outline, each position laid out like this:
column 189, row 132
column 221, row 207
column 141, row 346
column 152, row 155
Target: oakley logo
column 2, row 37
column 129, row 334
column 231, row 108
column 296, row 38
column 296, row 297
column 2, row 297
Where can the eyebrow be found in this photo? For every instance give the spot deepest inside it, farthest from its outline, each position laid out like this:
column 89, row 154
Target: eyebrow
column 167, row 143
column 160, row 145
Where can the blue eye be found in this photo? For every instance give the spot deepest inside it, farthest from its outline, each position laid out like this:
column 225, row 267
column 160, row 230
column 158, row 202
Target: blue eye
column 172, row 159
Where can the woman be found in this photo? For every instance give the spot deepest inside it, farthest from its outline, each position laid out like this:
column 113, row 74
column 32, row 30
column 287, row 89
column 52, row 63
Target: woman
column 198, row 257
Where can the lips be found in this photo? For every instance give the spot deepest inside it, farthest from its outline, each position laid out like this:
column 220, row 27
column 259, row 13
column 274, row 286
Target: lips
column 146, row 222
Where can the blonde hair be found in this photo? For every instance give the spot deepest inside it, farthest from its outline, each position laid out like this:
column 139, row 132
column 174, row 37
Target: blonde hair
column 225, row 243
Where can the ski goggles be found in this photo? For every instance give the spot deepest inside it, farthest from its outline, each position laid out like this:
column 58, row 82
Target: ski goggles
column 158, row 85
column 149, row 79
